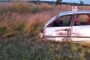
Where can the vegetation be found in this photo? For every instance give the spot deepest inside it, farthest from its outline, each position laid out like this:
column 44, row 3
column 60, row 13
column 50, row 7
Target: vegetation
column 58, row 2
column 20, row 24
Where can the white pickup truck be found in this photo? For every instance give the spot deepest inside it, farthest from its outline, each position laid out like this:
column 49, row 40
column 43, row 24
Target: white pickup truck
column 69, row 25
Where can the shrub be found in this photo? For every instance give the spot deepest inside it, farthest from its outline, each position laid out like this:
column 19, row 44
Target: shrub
column 43, row 7
column 34, row 9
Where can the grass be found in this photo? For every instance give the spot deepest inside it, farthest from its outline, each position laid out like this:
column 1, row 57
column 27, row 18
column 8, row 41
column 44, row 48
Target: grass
column 20, row 24
column 23, row 48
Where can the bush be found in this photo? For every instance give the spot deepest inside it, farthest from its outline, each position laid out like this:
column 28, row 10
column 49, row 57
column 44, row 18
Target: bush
column 25, row 8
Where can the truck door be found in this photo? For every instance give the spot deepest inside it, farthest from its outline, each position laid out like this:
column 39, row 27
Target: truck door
column 81, row 29
column 58, row 29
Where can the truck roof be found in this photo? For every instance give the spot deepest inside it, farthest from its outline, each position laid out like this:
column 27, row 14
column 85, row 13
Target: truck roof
column 74, row 12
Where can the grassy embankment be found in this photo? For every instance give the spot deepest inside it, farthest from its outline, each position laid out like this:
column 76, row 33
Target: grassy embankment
column 19, row 28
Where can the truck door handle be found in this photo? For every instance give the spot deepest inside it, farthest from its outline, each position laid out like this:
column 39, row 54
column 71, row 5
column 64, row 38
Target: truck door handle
column 67, row 29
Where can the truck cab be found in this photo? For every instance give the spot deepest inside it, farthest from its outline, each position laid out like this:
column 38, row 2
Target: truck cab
column 69, row 25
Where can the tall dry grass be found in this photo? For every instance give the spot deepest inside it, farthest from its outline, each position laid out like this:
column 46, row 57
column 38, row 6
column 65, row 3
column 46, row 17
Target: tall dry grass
column 26, row 17
column 39, row 19
column 25, row 8
column 23, row 17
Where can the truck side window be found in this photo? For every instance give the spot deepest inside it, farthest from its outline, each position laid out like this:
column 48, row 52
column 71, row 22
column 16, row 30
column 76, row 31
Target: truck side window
column 61, row 21
column 82, row 20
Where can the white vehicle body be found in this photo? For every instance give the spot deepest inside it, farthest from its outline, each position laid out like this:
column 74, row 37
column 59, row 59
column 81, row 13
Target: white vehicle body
column 77, row 33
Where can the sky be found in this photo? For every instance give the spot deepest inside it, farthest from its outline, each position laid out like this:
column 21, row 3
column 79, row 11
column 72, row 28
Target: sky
column 71, row 1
